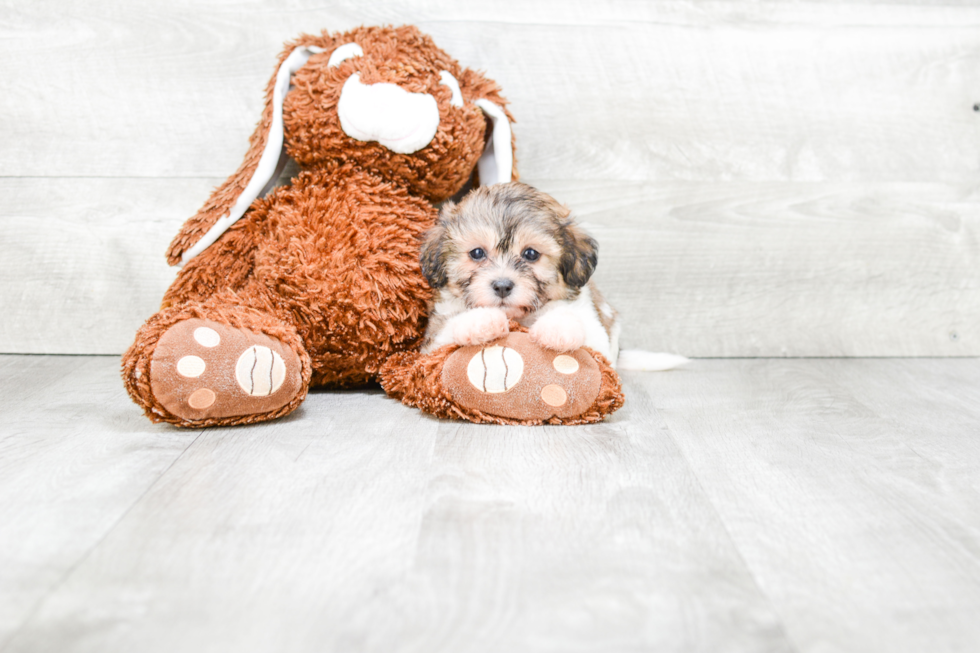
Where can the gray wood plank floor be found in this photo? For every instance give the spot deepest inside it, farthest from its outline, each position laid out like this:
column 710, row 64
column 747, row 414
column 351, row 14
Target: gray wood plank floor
column 737, row 505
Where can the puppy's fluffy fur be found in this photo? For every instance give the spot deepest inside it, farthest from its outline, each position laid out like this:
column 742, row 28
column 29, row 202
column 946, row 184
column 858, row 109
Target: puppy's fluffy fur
column 510, row 251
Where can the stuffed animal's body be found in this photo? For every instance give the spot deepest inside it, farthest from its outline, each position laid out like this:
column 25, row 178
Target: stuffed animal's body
column 318, row 282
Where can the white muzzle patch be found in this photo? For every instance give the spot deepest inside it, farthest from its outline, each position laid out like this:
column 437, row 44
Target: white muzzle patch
column 402, row 121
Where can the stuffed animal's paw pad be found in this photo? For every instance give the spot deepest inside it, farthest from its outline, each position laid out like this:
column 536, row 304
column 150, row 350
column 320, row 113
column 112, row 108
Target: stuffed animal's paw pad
column 495, row 369
column 201, row 369
column 260, row 371
column 519, row 379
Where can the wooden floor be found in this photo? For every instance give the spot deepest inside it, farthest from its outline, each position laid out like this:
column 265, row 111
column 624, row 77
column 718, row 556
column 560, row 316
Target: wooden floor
column 738, row 505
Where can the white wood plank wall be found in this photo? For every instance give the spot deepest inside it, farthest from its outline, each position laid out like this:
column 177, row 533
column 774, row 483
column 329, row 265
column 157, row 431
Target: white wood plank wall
column 765, row 179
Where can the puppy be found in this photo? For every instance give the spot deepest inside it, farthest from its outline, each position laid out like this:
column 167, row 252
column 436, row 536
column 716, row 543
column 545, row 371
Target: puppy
column 509, row 251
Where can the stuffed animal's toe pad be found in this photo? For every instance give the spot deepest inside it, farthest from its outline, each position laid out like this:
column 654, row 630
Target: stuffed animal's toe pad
column 201, row 369
column 517, row 379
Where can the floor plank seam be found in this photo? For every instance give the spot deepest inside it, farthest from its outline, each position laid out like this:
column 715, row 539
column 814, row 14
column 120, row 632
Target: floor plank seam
column 738, row 551
column 71, row 570
column 422, row 418
column 714, row 509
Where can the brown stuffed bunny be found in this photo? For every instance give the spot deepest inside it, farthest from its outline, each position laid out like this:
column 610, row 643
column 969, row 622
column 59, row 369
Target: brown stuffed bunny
column 318, row 282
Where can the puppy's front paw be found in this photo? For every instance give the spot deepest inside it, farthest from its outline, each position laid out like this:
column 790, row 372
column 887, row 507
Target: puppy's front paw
column 558, row 332
column 480, row 325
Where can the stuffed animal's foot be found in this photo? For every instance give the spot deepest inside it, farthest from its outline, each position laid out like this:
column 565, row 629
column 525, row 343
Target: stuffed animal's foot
column 516, row 379
column 202, row 370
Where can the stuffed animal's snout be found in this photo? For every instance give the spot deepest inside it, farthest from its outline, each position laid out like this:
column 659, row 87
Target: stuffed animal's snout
column 402, row 121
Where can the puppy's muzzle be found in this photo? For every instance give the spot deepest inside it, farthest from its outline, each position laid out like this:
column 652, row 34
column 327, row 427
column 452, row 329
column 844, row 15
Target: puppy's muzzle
column 402, row 121
column 502, row 287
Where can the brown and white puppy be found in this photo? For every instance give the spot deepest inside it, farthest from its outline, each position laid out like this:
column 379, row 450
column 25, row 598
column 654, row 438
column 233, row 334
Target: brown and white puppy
column 510, row 251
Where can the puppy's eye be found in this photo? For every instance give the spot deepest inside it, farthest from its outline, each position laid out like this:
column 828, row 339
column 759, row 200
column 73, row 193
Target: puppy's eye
column 477, row 254
column 531, row 254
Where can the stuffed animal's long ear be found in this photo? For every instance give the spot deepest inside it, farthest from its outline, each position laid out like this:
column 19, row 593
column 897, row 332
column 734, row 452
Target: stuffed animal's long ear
column 579, row 255
column 498, row 164
column 257, row 174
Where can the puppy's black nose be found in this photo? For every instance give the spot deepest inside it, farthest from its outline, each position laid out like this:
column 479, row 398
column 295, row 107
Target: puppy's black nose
column 502, row 287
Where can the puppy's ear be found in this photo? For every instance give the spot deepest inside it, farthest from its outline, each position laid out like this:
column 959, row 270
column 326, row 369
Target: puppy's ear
column 579, row 255
column 432, row 256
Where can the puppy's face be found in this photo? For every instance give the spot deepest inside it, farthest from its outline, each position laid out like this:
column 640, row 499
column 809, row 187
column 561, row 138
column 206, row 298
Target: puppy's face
column 508, row 246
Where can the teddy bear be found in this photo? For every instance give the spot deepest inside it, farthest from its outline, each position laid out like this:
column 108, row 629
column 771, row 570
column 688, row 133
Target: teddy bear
column 317, row 282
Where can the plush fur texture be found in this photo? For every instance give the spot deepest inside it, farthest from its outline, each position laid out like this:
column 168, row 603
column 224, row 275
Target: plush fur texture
column 221, row 308
column 328, row 264
column 417, row 380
